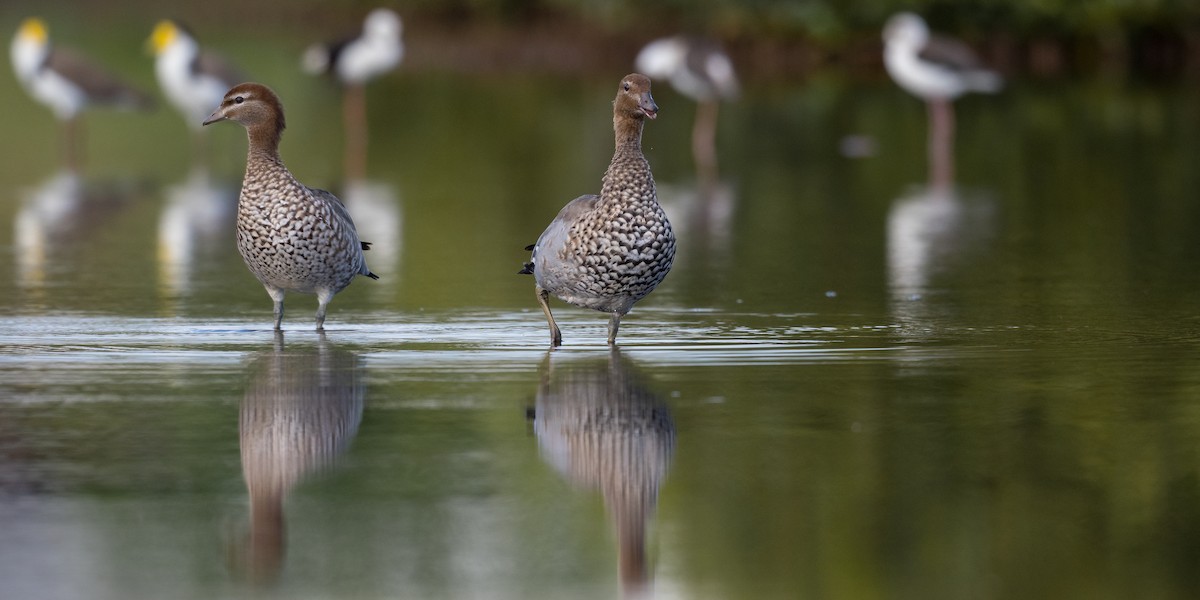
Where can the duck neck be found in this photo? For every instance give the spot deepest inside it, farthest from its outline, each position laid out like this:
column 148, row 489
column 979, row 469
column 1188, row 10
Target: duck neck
column 628, row 179
column 628, row 132
column 264, row 143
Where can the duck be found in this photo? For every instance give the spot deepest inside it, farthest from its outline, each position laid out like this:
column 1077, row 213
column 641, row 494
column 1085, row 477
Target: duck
column 938, row 70
column 192, row 78
column 67, row 82
column 354, row 61
column 700, row 69
column 608, row 251
column 293, row 238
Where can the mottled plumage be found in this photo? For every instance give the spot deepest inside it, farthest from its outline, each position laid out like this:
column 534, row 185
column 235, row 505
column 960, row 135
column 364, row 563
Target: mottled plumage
column 607, row 252
column 293, row 238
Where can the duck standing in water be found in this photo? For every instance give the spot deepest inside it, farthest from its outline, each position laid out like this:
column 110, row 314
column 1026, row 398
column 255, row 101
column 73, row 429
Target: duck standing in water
column 607, row 252
column 293, row 238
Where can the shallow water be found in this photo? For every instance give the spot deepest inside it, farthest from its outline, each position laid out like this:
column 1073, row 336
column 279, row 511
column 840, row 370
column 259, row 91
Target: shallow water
column 850, row 386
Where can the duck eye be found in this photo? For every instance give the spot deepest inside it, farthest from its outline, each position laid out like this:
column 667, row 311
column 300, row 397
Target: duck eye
column 627, row 87
column 238, row 100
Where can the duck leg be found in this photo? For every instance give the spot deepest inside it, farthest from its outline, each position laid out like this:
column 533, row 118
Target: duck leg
column 323, row 298
column 276, row 295
column 543, row 297
column 614, row 323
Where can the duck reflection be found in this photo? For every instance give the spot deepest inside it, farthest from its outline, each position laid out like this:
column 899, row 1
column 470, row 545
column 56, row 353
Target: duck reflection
column 54, row 215
column 301, row 409
column 931, row 231
column 600, row 428
column 197, row 215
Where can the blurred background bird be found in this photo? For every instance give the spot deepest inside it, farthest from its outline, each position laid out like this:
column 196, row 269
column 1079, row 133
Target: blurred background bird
column 67, row 82
column 698, row 68
column 192, row 78
column 354, row 61
column 938, row 70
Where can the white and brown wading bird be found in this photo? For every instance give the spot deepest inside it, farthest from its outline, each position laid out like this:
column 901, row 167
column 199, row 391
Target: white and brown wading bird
column 701, row 70
column 607, row 252
column 936, row 69
column 354, row 61
column 67, row 82
column 192, row 78
column 293, row 238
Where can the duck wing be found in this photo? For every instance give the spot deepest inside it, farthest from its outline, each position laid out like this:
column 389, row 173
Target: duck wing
column 340, row 213
column 555, row 235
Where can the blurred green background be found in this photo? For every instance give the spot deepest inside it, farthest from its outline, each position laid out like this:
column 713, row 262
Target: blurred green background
column 770, row 37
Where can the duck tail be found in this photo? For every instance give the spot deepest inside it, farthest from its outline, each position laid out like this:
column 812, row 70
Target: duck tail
column 527, row 268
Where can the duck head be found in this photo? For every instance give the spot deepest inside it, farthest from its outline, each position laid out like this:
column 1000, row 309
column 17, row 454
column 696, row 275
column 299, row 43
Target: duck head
column 251, row 105
column 634, row 99
column 255, row 107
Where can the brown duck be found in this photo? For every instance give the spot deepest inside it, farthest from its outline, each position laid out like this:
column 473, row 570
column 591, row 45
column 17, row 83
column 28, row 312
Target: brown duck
column 293, row 238
column 607, row 252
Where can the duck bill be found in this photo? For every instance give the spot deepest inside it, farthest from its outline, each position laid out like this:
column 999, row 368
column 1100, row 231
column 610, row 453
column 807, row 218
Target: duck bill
column 647, row 106
column 213, row 118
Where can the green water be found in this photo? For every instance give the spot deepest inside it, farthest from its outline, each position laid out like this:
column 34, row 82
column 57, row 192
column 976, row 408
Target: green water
column 848, row 387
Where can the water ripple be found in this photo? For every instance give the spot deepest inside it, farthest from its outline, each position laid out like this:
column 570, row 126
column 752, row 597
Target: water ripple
column 455, row 341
